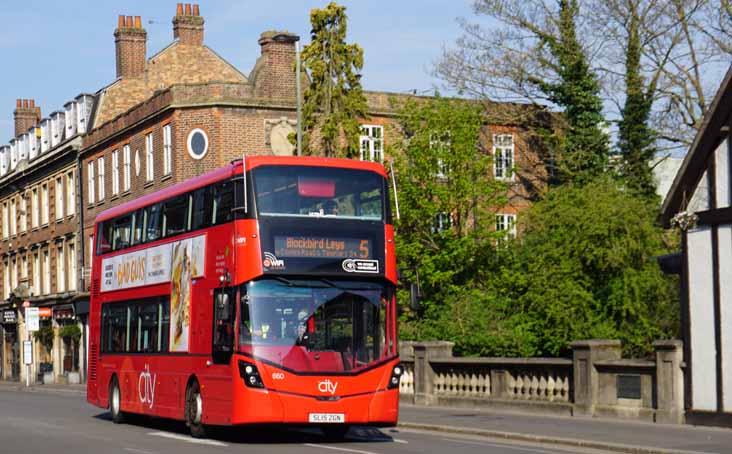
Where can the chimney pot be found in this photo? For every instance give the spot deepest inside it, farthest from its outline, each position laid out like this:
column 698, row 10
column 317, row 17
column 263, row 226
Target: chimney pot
column 196, row 11
column 138, row 22
column 25, row 103
column 129, row 22
column 120, row 21
column 179, row 9
column 32, row 103
column 130, row 47
column 18, row 103
column 188, row 9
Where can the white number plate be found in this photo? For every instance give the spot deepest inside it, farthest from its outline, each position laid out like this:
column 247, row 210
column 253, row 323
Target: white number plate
column 327, row 417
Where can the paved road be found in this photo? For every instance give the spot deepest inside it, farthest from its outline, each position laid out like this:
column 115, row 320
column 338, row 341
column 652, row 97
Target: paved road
column 42, row 423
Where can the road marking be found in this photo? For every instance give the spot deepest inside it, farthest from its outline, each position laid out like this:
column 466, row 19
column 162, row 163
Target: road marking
column 187, row 439
column 141, row 451
column 396, row 440
column 312, row 445
column 504, row 446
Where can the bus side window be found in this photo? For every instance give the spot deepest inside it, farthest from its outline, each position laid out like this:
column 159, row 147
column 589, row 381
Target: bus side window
column 175, row 215
column 104, row 237
column 152, row 223
column 121, row 234
column 164, row 325
column 138, row 218
column 202, row 206
column 223, row 202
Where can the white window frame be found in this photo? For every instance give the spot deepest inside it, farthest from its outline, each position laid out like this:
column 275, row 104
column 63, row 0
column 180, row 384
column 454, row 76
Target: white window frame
column 371, row 143
column 504, row 155
column 126, row 168
column 442, row 222
column 115, row 172
column 44, row 204
column 149, row 159
column 90, row 181
column 70, row 194
column 59, row 197
column 13, row 217
column 6, row 219
column 167, row 150
column 36, row 272
column 24, row 213
column 46, row 273
column 71, row 255
column 100, row 178
column 506, row 222
column 60, row 268
column 6, row 279
column 35, row 208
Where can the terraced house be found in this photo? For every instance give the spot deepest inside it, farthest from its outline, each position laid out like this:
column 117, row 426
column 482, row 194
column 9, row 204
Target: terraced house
column 165, row 118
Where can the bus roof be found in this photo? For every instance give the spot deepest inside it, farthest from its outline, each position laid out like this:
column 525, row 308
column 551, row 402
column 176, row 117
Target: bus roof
column 233, row 169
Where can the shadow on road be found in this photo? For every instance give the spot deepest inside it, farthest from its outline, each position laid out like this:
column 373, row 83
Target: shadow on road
column 257, row 434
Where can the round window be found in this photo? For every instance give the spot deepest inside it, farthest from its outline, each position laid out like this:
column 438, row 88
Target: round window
column 197, row 143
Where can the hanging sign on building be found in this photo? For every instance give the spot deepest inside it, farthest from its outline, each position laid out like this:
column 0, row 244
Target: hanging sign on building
column 32, row 320
column 44, row 312
column 10, row 317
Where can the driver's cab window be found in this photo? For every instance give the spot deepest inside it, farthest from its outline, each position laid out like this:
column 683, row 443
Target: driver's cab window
column 224, row 316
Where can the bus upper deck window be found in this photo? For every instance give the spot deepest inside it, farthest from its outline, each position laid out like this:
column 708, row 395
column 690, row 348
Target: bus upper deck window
column 153, row 222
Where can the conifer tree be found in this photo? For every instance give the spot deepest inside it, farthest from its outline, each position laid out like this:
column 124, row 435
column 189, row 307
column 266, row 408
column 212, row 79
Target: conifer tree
column 334, row 100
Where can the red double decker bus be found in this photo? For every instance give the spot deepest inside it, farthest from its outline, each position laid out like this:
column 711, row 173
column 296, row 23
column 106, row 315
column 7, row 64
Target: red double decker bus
column 262, row 292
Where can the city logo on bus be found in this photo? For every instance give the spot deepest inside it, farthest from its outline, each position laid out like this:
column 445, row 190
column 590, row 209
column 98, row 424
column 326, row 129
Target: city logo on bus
column 272, row 262
column 327, row 387
column 146, row 386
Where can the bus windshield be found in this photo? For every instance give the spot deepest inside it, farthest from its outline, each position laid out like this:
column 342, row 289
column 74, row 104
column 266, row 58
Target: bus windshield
column 319, row 191
column 314, row 325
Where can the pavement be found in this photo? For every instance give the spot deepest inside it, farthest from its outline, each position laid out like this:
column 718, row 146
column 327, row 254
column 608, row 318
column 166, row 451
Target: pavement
column 503, row 431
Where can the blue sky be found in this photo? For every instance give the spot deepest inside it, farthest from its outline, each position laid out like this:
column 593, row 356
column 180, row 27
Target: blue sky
column 53, row 50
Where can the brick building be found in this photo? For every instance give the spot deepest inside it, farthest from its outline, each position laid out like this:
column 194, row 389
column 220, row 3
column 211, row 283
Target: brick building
column 40, row 231
column 177, row 114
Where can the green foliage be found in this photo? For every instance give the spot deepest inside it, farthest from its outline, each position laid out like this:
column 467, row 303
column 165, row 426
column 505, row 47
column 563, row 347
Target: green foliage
column 45, row 336
column 446, row 196
column 334, row 100
column 582, row 150
column 70, row 333
column 635, row 137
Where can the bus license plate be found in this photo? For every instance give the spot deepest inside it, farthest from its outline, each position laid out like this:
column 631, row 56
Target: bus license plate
column 327, row 417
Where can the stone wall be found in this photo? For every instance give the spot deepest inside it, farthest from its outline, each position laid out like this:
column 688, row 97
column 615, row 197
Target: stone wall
column 596, row 381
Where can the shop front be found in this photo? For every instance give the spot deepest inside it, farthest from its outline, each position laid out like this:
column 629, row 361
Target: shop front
column 9, row 345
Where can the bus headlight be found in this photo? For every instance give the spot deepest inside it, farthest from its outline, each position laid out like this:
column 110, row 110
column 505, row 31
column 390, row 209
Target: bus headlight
column 396, row 375
column 250, row 374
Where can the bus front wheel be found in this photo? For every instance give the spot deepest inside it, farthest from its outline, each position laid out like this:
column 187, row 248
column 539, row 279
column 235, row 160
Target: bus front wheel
column 194, row 410
column 118, row 416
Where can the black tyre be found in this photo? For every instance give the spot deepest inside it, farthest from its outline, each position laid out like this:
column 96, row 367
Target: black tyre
column 194, row 410
column 115, row 399
column 335, row 432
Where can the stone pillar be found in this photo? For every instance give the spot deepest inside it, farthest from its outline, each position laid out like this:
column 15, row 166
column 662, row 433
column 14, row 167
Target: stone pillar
column 499, row 383
column 586, row 379
column 424, row 375
column 669, row 381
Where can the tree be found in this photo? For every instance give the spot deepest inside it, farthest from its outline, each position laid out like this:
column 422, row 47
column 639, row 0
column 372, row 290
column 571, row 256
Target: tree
column 447, row 197
column 334, row 100
column 536, row 55
column 586, row 269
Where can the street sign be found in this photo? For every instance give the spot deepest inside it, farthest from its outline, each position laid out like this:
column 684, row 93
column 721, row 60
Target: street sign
column 9, row 317
column 27, row 353
column 32, row 320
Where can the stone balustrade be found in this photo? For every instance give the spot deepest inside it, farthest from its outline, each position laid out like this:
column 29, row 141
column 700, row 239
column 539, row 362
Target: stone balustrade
column 596, row 381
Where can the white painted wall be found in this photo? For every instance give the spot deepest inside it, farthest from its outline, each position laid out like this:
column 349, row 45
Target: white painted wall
column 700, row 200
column 701, row 318
column 721, row 175
column 724, row 242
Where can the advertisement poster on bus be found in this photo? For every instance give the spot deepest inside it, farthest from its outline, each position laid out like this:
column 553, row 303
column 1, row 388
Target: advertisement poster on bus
column 186, row 263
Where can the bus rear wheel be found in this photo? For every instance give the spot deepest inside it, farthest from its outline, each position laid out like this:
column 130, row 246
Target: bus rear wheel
column 194, row 410
column 115, row 398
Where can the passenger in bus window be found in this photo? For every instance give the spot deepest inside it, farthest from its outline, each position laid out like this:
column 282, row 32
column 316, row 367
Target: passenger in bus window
column 330, row 208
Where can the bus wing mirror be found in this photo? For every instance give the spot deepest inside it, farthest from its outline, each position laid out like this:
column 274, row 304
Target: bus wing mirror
column 393, row 183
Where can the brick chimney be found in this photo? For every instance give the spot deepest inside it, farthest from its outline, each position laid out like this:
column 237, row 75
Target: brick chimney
column 275, row 68
column 131, row 45
column 26, row 115
column 188, row 25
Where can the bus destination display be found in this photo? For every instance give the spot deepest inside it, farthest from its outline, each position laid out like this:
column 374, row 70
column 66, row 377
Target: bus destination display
column 320, row 247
